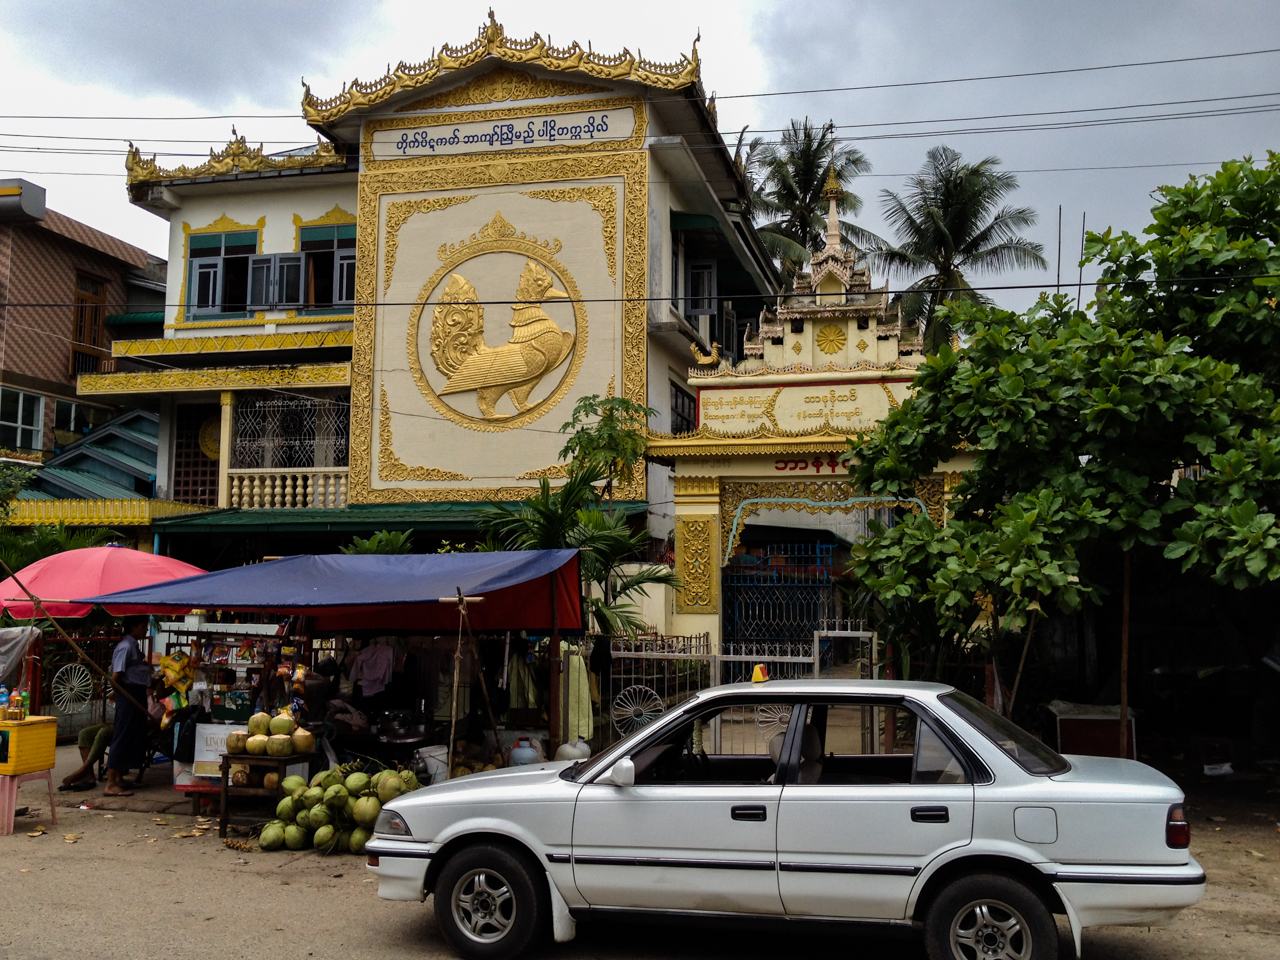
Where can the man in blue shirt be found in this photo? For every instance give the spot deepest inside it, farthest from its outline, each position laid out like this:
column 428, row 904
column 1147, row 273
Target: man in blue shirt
column 131, row 673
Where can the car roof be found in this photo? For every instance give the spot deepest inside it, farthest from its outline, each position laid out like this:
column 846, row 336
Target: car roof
column 806, row 687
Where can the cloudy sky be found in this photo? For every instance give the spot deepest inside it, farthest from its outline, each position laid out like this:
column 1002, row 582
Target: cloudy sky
column 87, row 76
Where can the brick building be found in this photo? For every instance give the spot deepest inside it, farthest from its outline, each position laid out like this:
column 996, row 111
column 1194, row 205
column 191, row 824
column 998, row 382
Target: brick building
column 66, row 291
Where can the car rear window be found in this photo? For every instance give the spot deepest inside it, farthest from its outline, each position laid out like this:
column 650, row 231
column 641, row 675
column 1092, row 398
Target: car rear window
column 1029, row 753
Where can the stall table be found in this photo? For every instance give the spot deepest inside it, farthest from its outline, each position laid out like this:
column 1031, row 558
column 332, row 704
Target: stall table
column 279, row 764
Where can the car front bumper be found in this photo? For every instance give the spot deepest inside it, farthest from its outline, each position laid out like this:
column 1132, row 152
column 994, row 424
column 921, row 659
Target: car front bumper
column 401, row 867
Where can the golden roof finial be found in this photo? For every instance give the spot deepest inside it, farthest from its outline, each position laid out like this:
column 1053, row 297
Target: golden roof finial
column 832, row 190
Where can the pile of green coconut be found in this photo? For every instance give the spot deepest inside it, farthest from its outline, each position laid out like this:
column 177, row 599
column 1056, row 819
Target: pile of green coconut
column 277, row 736
column 335, row 813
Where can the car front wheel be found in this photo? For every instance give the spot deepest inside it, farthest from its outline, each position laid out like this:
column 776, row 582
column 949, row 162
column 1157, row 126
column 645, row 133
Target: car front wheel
column 489, row 903
column 989, row 917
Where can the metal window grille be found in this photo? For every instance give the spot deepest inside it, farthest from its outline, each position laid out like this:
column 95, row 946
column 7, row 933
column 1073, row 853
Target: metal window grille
column 292, row 432
column 195, row 476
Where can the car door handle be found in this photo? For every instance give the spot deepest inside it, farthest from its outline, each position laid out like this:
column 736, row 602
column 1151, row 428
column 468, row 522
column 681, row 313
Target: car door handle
column 754, row 813
column 930, row 815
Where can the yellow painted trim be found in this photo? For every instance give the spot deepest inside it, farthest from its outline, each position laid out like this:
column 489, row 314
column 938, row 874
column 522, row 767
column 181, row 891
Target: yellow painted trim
column 168, row 346
column 223, row 224
column 10, row 191
column 215, row 379
column 93, row 513
column 334, row 217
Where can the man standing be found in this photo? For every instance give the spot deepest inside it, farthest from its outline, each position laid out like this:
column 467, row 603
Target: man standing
column 131, row 674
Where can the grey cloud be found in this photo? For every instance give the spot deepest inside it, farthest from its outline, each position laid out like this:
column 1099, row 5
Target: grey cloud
column 883, row 42
column 211, row 54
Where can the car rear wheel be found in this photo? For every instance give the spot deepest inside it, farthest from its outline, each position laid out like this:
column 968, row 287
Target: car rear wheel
column 989, row 917
column 490, row 903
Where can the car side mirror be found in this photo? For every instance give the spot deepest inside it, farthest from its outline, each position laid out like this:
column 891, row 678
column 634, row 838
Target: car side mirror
column 621, row 774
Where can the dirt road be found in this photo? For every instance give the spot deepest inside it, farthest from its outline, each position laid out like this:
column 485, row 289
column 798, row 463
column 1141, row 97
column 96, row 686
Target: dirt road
column 130, row 888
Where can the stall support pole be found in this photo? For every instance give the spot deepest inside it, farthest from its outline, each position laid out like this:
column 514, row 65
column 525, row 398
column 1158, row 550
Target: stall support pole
column 555, row 711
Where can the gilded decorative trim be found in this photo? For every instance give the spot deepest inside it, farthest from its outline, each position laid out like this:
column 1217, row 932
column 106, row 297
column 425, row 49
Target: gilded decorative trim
column 398, row 214
column 634, row 142
column 236, row 157
column 697, row 486
column 499, row 236
column 696, row 553
column 741, row 500
column 391, row 467
column 95, row 513
column 557, row 471
column 224, row 378
column 604, row 200
column 166, row 346
column 768, row 370
column 709, row 442
column 223, row 224
column 893, row 401
column 632, row 166
column 493, row 42
column 335, row 217
column 933, row 493
column 501, row 85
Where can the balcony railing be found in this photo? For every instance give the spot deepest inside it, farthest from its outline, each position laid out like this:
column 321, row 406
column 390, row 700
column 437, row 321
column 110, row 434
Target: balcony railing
column 313, row 487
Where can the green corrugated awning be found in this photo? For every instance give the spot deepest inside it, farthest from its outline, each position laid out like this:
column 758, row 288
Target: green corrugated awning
column 357, row 518
column 120, row 319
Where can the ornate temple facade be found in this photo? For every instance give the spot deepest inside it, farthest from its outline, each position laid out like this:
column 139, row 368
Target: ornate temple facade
column 388, row 328
column 760, row 474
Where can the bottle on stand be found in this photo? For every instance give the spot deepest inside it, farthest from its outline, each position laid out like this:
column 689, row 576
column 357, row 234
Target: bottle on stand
column 4, row 702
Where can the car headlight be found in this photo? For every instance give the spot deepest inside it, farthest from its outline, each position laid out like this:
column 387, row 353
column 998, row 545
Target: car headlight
column 391, row 824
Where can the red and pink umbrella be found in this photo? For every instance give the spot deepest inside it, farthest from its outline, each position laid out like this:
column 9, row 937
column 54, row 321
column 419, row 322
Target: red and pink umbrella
column 89, row 572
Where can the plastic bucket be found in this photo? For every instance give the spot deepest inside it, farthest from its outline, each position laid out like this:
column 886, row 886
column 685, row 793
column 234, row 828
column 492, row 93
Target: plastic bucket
column 434, row 762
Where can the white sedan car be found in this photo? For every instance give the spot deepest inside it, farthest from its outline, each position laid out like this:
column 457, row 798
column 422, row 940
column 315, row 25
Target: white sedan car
column 880, row 801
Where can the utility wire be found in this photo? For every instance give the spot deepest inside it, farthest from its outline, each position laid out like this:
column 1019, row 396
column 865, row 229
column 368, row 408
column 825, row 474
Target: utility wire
column 742, row 96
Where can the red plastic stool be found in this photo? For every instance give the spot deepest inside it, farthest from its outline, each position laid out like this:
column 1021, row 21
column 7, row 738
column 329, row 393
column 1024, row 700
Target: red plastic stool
column 9, row 797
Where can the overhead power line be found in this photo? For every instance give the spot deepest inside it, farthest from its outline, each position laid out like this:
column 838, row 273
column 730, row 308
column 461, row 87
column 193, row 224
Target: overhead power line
column 738, row 96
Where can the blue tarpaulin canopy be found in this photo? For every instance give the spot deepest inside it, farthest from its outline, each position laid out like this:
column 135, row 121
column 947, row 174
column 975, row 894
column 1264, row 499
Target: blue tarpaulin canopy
column 522, row 590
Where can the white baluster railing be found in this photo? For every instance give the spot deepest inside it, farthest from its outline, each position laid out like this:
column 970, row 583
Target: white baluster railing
column 317, row 487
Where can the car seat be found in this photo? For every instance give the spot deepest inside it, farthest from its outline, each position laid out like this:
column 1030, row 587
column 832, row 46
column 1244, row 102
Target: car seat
column 810, row 755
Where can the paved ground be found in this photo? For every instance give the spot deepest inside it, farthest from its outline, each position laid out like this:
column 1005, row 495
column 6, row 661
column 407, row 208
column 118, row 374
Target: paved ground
column 128, row 888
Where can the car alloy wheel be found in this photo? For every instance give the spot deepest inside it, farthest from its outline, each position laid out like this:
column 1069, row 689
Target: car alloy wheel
column 990, row 930
column 484, row 906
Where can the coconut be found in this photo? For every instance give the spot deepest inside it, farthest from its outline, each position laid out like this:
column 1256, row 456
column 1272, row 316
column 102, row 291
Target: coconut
column 326, row 839
column 359, row 837
column 349, row 808
column 344, row 841
column 256, row 744
column 271, row 780
column 313, row 796
column 390, row 788
column 295, row 838
column 272, row 837
column 366, row 812
column 292, row 783
column 410, row 781
column 304, row 741
column 332, row 778
column 281, row 724
column 378, row 777
column 315, row 781
column 286, row 810
column 259, row 723
column 303, row 819
column 236, row 740
column 336, row 796
column 357, row 784
column 297, row 796
column 319, row 816
column 279, row 745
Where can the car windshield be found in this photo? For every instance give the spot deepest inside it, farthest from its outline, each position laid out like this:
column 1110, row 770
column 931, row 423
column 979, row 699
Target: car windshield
column 589, row 768
column 1029, row 753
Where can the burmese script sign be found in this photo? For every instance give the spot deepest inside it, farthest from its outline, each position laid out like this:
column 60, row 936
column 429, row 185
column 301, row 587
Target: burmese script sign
column 801, row 407
column 488, row 136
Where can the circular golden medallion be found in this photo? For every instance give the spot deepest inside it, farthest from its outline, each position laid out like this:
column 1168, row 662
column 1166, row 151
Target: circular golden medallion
column 211, row 437
column 830, row 339
column 502, row 379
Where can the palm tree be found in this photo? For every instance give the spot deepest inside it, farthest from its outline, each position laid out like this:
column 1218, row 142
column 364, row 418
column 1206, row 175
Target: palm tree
column 19, row 550
column 793, row 175
column 948, row 225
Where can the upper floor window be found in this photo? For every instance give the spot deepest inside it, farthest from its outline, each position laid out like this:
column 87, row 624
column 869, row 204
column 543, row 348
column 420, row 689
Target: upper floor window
column 684, row 411
column 700, row 289
column 87, row 304
column 330, row 270
column 218, row 275
column 21, row 420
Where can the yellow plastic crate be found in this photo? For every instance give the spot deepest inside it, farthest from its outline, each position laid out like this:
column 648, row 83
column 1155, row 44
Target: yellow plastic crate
column 31, row 745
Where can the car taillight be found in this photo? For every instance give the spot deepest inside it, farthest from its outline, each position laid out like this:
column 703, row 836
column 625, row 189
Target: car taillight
column 1177, row 831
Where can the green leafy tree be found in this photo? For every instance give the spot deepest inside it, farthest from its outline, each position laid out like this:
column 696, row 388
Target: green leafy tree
column 790, row 210
column 12, row 479
column 608, row 432
column 950, row 225
column 21, row 548
column 571, row 517
column 384, row 541
column 1127, row 430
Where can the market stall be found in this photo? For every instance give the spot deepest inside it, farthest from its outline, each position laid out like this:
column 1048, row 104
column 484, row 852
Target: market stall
column 376, row 655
